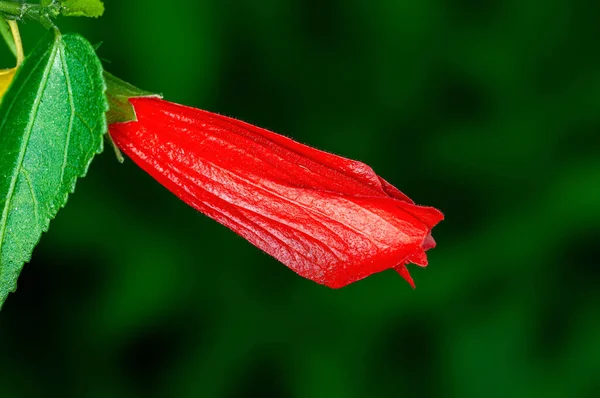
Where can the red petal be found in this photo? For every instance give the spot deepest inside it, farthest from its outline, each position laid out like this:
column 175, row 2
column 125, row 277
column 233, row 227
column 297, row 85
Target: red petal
column 330, row 219
column 393, row 191
column 419, row 258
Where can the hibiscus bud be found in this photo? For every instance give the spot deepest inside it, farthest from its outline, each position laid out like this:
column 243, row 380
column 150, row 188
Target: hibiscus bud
column 330, row 219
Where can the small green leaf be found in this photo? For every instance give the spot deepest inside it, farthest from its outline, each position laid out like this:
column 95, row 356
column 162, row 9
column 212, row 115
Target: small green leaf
column 52, row 121
column 82, row 8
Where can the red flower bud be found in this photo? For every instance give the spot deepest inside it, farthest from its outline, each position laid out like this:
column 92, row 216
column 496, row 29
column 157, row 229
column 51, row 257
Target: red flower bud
column 330, row 219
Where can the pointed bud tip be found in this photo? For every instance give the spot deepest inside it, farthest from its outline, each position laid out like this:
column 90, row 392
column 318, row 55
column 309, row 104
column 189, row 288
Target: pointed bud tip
column 403, row 271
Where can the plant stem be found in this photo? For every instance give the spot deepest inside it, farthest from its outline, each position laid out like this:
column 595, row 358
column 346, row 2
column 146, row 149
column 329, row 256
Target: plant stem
column 18, row 43
column 37, row 12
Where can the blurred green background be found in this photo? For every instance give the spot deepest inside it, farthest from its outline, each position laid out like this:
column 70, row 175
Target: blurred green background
column 488, row 110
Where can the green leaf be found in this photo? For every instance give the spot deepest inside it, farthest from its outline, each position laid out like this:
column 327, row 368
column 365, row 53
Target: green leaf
column 7, row 36
column 52, row 121
column 82, row 8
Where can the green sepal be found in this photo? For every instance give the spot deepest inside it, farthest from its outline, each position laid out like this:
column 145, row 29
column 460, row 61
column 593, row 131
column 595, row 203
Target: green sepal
column 118, row 93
